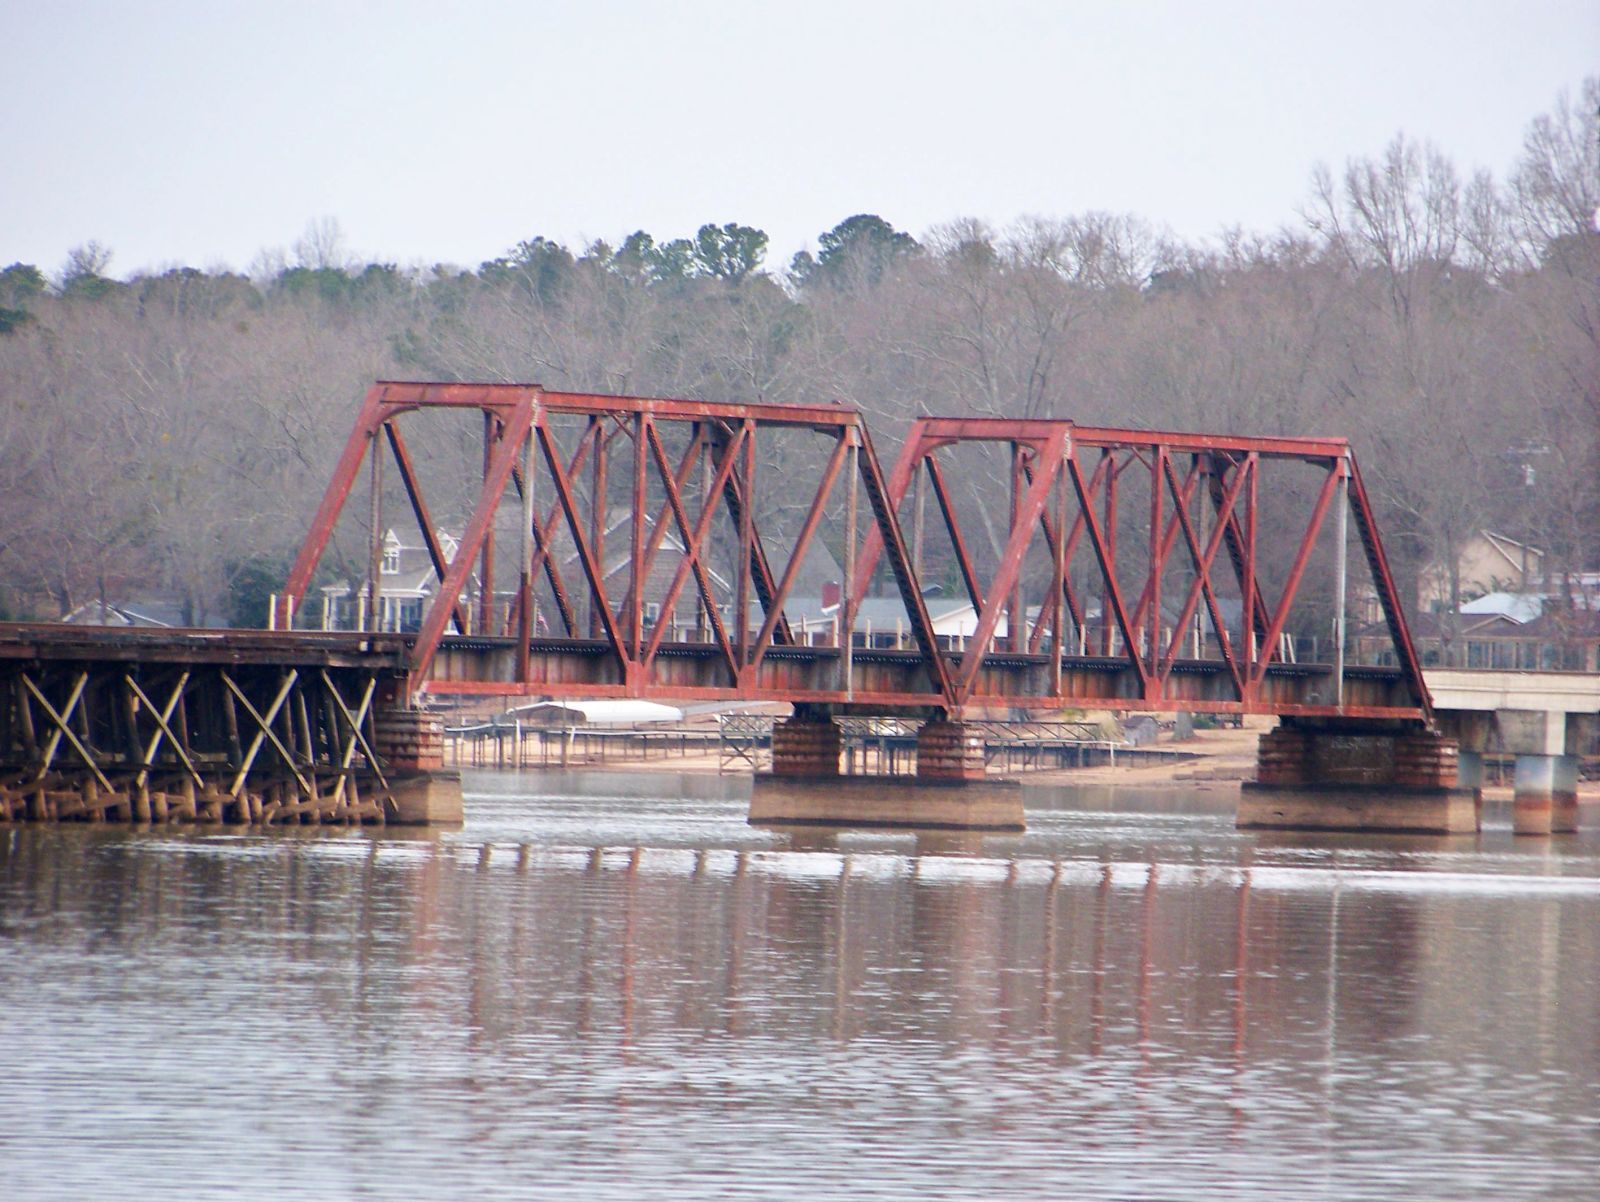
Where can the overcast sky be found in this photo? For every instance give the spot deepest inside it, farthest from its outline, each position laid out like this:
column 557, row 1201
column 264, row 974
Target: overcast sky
column 203, row 132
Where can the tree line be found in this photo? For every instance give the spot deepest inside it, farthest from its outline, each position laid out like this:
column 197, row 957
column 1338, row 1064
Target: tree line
column 173, row 430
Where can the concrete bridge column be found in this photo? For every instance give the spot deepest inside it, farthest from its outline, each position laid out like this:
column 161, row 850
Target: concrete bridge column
column 1545, row 795
column 1469, row 775
column 806, row 745
column 1545, row 788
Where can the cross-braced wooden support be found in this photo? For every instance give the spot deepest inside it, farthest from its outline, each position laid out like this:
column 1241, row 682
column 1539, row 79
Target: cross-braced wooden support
column 99, row 726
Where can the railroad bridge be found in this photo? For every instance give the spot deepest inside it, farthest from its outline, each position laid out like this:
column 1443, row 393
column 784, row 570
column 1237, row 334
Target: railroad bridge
column 670, row 549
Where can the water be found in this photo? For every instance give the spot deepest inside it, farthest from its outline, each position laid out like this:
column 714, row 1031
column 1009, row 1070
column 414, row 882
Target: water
column 608, row 986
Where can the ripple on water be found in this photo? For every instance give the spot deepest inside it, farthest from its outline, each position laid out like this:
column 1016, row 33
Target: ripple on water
column 601, row 992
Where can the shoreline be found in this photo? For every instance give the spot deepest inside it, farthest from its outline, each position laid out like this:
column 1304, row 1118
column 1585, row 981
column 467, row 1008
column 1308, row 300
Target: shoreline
column 1221, row 758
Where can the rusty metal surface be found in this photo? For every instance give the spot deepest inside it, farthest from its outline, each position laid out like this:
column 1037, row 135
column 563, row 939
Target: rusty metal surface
column 1093, row 461
column 519, row 421
column 1067, row 499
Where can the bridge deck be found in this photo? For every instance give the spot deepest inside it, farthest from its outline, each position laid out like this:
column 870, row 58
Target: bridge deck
column 881, row 680
column 51, row 641
column 884, row 680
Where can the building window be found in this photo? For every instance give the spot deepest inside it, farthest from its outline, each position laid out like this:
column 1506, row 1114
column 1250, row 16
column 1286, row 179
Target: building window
column 391, row 560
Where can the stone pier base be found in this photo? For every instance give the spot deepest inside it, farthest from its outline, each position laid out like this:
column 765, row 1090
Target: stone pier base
column 411, row 745
column 1545, row 795
column 1350, row 779
column 949, row 751
column 805, row 746
column 408, row 740
column 886, row 801
column 1357, row 808
column 427, row 799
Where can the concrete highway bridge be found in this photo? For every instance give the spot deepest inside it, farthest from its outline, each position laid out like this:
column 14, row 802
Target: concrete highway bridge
column 669, row 549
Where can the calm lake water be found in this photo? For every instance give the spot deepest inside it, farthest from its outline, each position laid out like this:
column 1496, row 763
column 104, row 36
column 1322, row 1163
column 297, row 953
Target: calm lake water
column 609, row 986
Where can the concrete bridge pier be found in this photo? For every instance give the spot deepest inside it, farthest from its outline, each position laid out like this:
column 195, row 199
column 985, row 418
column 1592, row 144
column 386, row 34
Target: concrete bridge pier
column 1547, row 720
column 1469, row 774
column 949, row 751
column 1545, row 785
column 950, row 790
column 410, row 743
column 1545, row 795
column 1359, row 776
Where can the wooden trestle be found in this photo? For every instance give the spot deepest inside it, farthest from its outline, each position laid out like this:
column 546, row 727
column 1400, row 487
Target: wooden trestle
column 191, row 726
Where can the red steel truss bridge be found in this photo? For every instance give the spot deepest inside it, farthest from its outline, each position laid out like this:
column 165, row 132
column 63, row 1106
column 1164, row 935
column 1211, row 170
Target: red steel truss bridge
column 587, row 546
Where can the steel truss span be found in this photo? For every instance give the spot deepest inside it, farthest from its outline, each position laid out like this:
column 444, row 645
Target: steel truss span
column 652, row 548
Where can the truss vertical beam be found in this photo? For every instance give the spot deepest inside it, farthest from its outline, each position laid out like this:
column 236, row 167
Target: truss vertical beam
column 492, row 431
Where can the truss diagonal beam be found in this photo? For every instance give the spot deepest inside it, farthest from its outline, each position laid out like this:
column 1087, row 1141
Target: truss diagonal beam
column 497, row 472
column 892, row 542
column 1069, row 594
column 430, row 536
column 754, row 548
column 694, row 544
column 1384, row 585
column 1182, row 497
column 1241, row 542
column 1032, row 503
column 543, row 558
column 1202, row 584
column 1302, row 557
column 947, row 511
column 802, row 543
column 644, row 563
column 592, row 569
column 1106, row 558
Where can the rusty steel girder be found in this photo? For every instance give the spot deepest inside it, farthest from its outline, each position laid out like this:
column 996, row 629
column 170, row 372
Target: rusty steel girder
column 523, row 452
column 1062, row 483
